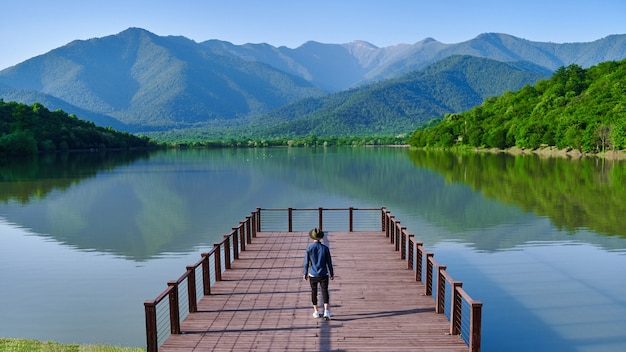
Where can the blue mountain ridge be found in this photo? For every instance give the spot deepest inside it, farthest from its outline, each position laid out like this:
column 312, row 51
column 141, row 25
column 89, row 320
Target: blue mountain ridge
column 138, row 81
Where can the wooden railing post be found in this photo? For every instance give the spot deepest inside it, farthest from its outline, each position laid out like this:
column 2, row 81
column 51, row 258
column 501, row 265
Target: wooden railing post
column 152, row 339
column 397, row 238
column 440, row 302
column 456, row 310
column 410, row 263
column 475, row 323
column 206, row 274
column 403, row 244
column 351, row 219
column 419, row 261
column 174, row 312
column 191, row 289
column 257, row 222
column 387, row 227
column 383, row 219
column 242, row 235
column 227, row 251
column 392, row 227
column 320, row 220
column 429, row 274
column 218, row 262
column 290, row 219
column 235, row 236
column 248, row 230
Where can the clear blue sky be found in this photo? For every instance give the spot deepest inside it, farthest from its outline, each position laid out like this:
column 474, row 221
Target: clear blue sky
column 32, row 27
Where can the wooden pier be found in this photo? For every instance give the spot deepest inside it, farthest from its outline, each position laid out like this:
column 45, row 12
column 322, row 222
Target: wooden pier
column 261, row 302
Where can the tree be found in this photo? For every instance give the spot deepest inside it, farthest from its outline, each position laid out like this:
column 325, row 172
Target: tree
column 576, row 108
column 18, row 143
column 604, row 132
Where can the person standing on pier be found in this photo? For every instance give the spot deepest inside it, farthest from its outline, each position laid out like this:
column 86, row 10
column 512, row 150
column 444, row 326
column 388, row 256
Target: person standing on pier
column 318, row 268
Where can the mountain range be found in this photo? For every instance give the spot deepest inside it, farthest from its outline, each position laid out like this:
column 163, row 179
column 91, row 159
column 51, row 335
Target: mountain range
column 137, row 81
column 398, row 106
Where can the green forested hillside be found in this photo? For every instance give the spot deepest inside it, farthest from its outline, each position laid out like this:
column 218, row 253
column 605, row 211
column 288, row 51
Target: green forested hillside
column 398, row 106
column 26, row 130
column 576, row 108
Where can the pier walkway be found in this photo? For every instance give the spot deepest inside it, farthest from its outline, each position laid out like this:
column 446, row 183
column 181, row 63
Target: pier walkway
column 254, row 296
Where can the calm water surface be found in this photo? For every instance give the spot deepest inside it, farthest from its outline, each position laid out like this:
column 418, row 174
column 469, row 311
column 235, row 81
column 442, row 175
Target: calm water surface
column 85, row 239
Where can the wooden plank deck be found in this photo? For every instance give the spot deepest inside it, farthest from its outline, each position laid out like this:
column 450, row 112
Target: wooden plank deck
column 263, row 303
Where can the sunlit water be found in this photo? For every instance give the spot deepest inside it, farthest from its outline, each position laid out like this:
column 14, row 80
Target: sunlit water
column 85, row 240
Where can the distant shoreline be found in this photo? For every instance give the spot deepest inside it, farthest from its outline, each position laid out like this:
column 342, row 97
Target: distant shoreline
column 545, row 152
column 562, row 153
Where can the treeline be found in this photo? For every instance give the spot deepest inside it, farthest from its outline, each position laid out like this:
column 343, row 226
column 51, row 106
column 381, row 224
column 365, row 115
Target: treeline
column 30, row 129
column 576, row 108
column 310, row 141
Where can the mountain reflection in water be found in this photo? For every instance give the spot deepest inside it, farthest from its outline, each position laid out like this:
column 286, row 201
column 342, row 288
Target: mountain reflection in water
column 532, row 238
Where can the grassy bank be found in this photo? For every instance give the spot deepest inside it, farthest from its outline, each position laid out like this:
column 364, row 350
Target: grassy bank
column 23, row 345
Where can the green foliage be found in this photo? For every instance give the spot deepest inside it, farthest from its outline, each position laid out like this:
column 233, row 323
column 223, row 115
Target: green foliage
column 576, row 108
column 26, row 130
column 18, row 143
column 397, row 106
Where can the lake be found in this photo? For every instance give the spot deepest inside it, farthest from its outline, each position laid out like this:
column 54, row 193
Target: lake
column 86, row 238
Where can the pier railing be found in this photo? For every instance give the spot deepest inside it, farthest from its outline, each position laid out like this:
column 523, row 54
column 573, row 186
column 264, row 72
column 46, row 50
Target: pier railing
column 165, row 313
column 463, row 312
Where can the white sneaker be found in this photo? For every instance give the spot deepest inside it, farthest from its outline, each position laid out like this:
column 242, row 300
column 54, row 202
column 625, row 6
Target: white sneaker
column 326, row 315
column 316, row 315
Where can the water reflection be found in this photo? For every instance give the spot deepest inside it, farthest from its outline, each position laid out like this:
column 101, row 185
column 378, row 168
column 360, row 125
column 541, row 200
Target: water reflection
column 577, row 194
column 24, row 180
column 139, row 206
column 537, row 240
column 137, row 211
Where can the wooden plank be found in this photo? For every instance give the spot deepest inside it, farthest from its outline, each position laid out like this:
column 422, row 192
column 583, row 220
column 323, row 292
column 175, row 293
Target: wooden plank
column 263, row 303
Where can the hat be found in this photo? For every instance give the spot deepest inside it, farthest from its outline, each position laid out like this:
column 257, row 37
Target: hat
column 316, row 234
